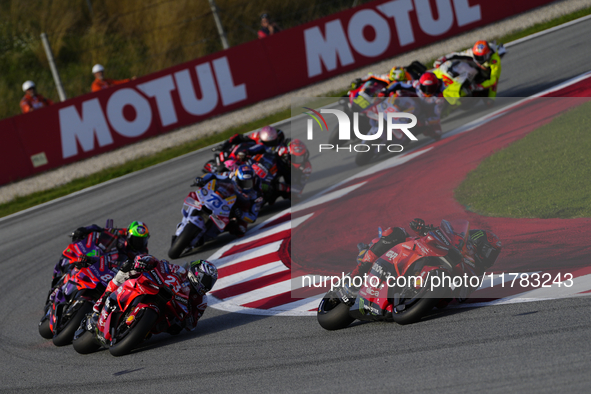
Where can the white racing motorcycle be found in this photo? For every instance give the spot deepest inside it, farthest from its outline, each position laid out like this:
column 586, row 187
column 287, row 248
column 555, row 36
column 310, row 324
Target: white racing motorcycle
column 206, row 213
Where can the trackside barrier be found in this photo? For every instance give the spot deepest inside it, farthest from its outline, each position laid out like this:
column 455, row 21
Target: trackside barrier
column 98, row 122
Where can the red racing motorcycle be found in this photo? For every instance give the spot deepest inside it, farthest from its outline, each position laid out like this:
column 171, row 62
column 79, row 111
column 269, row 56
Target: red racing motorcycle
column 407, row 281
column 76, row 292
column 142, row 306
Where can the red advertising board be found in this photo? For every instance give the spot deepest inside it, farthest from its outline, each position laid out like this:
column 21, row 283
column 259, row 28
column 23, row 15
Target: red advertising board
column 98, row 122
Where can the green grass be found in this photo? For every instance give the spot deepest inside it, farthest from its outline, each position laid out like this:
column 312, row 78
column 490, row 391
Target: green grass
column 544, row 175
column 31, row 200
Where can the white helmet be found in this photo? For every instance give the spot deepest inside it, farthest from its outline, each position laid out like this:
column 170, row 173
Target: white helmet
column 268, row 135
column 28, row 85
column 97, row 68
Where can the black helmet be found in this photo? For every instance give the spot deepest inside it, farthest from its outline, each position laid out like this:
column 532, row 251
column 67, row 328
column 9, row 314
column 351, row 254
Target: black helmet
column 137, row 236
column 487, row 247
column 202, row 275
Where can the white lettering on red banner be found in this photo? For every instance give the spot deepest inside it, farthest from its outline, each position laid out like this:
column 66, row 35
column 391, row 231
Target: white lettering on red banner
column 325, row 49
column 143, row 113
column 83, row 128
column 130, row 114
column 161, row 89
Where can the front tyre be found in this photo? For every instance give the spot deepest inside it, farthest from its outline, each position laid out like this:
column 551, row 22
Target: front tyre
column 333, row 314
column 66, row 333
column 135, row 334
column 44, row 329
column 86, row 343
column 181, row 242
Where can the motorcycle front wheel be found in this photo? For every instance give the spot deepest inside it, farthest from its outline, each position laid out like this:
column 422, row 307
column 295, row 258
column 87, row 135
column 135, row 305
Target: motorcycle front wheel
column 86, row 343
column 66, row 331
column 183, row 241
column 333, row 314
column 135, row 334
column 44, row 329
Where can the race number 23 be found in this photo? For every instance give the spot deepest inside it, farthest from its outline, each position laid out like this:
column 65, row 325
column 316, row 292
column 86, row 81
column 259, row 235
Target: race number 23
column 173, row 283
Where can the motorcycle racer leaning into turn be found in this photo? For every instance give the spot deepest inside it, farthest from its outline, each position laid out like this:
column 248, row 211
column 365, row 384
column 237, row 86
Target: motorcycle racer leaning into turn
column 130, row 242
column 248, row 197
column 487, row 57
column 268, row 136
column 484, row 244
column 196, row 280
column 295, row 167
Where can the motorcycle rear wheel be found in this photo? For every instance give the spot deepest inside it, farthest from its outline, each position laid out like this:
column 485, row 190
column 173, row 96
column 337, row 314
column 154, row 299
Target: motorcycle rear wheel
column 333, row 317
column 86, row 343
column 421, row 307
column 66, row 334
column 182, row 241
column 136, row 334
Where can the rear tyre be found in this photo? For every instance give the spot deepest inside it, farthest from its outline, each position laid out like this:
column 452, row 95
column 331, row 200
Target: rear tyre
column 181, row 242
column 86, row 343
column 333, row 314
column 66, row 334
column 421, row 307
column 44, row 329
column 136, row 334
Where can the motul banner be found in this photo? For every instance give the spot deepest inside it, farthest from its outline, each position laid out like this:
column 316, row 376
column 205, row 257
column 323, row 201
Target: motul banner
column 188, row 93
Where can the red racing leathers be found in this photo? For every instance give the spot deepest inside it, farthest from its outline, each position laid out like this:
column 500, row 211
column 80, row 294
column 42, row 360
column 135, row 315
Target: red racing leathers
column 197, row 303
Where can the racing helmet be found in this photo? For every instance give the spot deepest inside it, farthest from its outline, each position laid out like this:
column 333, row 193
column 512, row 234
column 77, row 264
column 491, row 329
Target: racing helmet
column 429, row 84
column 137, row 236
column 268, row 136
column 298, row 152
column 28, row 85
column 244, row 177
column 487, row 247
column 481, row 52
column 398, row 74
column 202, row 274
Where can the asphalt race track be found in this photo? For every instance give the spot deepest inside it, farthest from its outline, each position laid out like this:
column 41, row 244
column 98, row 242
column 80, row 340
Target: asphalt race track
column 529, row 347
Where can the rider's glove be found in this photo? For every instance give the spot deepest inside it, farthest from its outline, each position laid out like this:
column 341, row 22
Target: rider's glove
column 79, row 234
column 144, row 263
column 126, row 266
column 83, row 261
column 198, row 182
column 418, row 226
column 283, row 150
